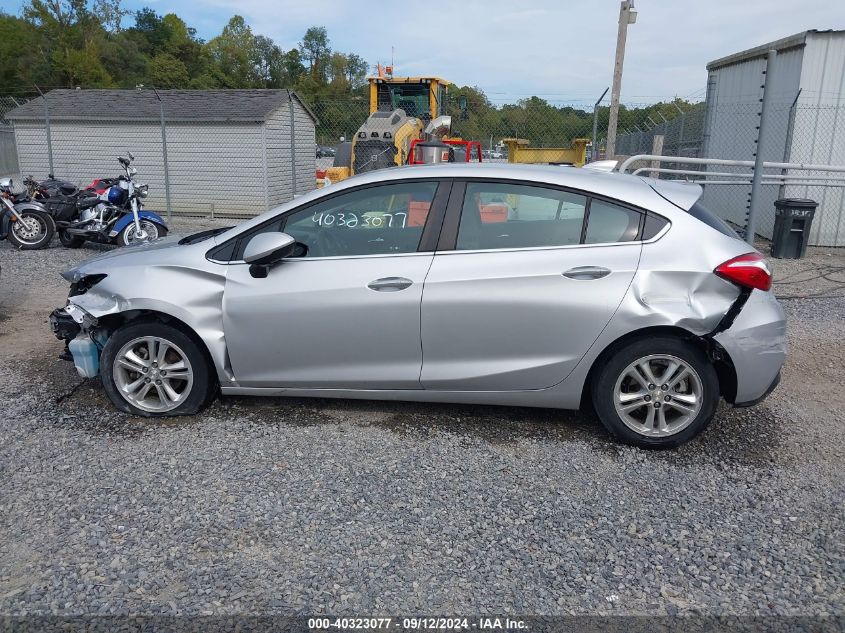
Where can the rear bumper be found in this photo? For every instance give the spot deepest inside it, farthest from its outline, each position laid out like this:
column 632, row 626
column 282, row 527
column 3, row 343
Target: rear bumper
column 756, row 344
column 771, row 388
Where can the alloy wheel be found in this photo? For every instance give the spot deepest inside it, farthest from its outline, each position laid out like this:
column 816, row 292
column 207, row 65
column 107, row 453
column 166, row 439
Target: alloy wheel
column 658, row 395
column 153, row 374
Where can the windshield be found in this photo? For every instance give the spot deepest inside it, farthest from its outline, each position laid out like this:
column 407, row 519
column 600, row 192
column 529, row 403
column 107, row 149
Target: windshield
column 412, row 98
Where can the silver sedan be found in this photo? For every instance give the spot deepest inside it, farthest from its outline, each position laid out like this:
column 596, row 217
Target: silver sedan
column 489, row 284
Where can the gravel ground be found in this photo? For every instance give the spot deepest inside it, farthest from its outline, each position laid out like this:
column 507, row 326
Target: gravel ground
column 347, row 507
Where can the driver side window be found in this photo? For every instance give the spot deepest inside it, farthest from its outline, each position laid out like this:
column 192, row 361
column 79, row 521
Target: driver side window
column 380, row 220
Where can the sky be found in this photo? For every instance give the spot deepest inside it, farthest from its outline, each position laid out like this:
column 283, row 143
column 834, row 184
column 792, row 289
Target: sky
column 561, row 50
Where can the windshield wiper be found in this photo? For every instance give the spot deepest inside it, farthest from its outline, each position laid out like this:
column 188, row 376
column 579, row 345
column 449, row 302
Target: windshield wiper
column 203, row 235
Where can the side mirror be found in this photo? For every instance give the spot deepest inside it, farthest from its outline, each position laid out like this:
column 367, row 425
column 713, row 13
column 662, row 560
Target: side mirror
column 265, row 250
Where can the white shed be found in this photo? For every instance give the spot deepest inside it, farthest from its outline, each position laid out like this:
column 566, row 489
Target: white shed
column 228, row 152
column 806, row 124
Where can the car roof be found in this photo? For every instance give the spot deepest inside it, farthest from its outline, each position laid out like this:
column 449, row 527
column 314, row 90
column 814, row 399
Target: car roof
column 636, row 190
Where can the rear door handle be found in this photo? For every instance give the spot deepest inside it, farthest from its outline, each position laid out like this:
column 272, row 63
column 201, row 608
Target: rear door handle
column 586, row 272
column 389, row 284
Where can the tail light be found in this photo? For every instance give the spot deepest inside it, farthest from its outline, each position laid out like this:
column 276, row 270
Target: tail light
column 749, row 270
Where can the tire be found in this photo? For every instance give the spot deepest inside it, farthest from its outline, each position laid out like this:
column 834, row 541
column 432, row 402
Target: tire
column 195, row 387
column 624, row 396
column 126, row 235
column 69, row 241
column 34, row 230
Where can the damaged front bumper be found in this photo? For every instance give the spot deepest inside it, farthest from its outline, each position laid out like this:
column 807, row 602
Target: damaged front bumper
column 72, row 325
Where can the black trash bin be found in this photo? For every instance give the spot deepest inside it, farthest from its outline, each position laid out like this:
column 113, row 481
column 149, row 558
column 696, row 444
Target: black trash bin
column 793, row 219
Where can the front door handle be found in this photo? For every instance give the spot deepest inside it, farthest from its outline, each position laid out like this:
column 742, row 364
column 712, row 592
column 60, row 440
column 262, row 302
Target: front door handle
column 586, row 272
column 389, row 284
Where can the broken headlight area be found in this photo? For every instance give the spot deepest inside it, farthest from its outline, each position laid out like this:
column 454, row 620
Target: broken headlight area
column 77, row 328
column 84, row 284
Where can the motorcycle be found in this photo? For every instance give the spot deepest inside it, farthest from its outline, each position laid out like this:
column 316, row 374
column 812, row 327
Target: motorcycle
column 110, row 211
column 26, row 223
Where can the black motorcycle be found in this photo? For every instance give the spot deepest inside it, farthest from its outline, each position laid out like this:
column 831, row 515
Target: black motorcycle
column 26, row 223
column 108, row 211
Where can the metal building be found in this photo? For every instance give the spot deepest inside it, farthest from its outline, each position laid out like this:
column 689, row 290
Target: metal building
column 228, row 152
column 805, row 123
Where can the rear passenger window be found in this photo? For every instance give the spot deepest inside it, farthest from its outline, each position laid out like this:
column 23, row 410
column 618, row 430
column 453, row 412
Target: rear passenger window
column 609, row 223
column 653, row 225
column 501, row 215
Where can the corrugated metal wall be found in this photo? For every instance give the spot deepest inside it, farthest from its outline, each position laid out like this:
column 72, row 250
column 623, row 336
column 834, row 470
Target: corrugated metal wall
column 733, row 109
column 819, row 131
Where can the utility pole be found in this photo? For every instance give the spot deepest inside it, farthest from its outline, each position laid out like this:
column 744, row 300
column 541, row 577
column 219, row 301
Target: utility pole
column 627, row 16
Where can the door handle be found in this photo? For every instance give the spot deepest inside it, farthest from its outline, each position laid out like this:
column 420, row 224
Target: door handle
column 586, row 272
column 389, row 284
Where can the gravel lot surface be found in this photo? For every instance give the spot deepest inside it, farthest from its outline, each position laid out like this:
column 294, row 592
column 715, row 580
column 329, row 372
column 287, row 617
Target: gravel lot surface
column 345, row 507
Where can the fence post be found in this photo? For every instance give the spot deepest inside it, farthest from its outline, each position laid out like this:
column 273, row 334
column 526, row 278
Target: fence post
column 49, row 132
column 681, row 135
column 164, row 156
column 787, row 146
column 292, row 147
column 757, row 180
column 595, row 153
column 657, row 150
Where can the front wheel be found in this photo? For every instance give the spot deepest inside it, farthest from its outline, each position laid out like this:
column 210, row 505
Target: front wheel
column 656, row 392
column 153, row 369
column 150, row 231
column 32, row 231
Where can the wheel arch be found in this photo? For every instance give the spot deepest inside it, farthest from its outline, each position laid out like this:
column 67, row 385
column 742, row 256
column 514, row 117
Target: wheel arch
column 111, row 322
column 715, row 353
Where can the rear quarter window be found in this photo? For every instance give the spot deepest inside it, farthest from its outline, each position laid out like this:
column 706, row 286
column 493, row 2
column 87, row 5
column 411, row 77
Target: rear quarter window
column 702, row 213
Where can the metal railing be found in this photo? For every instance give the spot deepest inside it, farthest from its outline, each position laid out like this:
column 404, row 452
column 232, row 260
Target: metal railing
column 757, row 175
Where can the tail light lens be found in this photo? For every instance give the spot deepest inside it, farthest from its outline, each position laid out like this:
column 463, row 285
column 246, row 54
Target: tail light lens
column 749, row 270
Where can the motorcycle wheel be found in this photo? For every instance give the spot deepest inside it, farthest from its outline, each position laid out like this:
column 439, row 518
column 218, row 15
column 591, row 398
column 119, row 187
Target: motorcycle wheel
column 127, row 236
column 70, row 241
column 34, row 230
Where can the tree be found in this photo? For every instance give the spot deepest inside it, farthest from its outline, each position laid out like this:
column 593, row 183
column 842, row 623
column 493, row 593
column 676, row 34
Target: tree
column 356, row 70
column 165, row 71
column 233, row 52
column 82, row 67
column 314, row 48
column 110, row 14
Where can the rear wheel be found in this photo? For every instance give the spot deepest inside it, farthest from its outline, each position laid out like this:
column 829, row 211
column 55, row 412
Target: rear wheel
column 32, row 231
column 656, row 392
column 154, row 369
column 70, row 241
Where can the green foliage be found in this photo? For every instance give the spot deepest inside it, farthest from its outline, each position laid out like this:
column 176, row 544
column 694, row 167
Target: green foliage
column 87, row 43
column 165, row 71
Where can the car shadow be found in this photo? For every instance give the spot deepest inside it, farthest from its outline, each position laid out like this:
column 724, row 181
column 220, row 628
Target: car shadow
column 741, row 436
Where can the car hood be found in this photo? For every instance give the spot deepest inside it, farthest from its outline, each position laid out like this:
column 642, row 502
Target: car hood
column 148, row 253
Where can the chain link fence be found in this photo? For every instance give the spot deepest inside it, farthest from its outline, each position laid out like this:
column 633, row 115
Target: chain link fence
column 8, row 149
column 792, row 133
column 238, row 168
column 213, row 155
